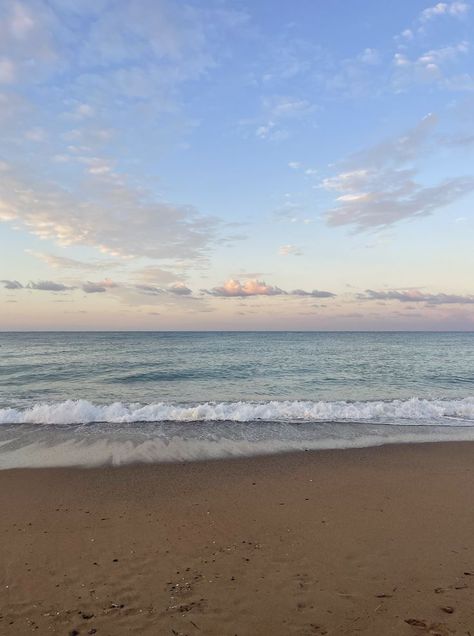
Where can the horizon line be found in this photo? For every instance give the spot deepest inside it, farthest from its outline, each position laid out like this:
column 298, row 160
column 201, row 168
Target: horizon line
column 19, row 331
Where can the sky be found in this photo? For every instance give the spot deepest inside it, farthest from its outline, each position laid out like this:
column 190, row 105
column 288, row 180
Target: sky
column 212, row 164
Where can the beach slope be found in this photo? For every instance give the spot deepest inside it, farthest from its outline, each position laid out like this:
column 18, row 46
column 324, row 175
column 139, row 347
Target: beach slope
column 373, row 541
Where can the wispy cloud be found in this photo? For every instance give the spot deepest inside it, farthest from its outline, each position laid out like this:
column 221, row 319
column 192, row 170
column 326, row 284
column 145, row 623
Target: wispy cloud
column 434, row 66
column 48, row 285
column 137, row 294
column 289, row 250
column 377, row 187
column 139, row 55
column 11, row 284
column 356, row 76
column 7, row 71
column 278, row 110
column 417, row 296
column 292, row 212
column 115, row 40
column 177, row 289
column 107, row 213
column 316, row 293
column 456, row 9
column 63, row 262
column 157, row 275
column 148, row 289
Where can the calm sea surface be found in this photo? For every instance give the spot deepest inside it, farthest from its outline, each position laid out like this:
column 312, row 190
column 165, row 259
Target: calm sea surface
column 92, row 398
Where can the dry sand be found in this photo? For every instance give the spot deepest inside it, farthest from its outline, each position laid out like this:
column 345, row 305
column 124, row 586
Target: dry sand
column 374, row 541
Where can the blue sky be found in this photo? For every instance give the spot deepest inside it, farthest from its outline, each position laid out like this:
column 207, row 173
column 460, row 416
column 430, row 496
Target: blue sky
column 233, row 165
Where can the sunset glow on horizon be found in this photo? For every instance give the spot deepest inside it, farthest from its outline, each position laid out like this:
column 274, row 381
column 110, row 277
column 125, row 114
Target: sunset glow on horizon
column 232, row 165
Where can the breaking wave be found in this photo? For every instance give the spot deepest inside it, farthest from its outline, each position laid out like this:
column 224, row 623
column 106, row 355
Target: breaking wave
column 411, row 411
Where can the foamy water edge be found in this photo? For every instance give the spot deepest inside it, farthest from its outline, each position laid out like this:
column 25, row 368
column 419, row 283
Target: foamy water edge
column 84, row 412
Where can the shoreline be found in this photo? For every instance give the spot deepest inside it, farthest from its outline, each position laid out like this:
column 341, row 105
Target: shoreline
column 103, row 453
column 376, row 540
column 285, row 454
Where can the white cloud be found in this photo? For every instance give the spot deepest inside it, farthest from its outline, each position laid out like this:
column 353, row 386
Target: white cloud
column 108, row 214
column 279, row 111
column 287, row 250
column 454, row 9
column 369, row 56
column 98, row 165
column 407, row 34
column 104, row 62
column 350, row 180
column 433, row 66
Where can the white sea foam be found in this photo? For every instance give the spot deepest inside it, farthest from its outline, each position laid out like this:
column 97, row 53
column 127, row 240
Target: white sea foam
column 414, row 410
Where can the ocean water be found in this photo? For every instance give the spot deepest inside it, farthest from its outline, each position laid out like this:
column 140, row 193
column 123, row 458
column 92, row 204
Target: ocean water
column 111, row 398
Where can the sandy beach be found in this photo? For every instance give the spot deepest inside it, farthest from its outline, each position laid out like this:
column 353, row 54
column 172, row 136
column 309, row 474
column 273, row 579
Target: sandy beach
column 372, row 541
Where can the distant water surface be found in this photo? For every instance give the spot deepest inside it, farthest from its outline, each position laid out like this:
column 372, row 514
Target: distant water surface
column 92, row 398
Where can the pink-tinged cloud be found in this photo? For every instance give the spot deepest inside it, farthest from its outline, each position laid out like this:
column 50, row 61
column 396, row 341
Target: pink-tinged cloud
column 100, row 287
column 108, row 283
column 252, row 287
column 234, row 288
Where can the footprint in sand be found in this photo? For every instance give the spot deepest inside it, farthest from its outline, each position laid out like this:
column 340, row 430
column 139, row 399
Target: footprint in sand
column 313, row 629
column 433, row 629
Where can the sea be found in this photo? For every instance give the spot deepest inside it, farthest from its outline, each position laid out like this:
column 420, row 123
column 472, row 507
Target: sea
column 96, row 398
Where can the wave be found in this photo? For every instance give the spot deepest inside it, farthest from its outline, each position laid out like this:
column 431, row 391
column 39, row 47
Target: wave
column 410, row 411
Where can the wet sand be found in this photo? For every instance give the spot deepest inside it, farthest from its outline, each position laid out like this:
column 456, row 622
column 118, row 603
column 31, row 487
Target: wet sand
column 374, row 541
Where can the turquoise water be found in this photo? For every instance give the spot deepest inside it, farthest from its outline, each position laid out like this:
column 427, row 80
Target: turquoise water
column 89, row 398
